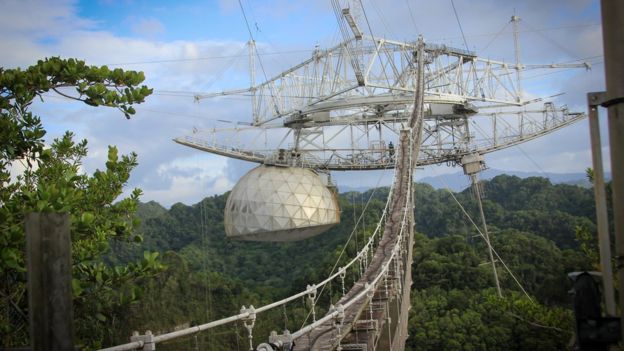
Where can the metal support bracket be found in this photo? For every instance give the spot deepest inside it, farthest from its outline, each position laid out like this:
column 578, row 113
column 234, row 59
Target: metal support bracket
column 147, row 339
column 249, row 322
column 342, row 273
column 600, row 98
column 282, row 342
column 597, row 98
column 312, row 298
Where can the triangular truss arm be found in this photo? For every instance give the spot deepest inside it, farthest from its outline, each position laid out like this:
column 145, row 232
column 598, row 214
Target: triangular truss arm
column 327, row 113
column 329, row 79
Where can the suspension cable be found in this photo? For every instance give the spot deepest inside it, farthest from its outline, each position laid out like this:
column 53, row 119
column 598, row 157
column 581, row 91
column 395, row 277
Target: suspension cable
column 368, row 244
column 371, row 285
column 486, row 241
column 460, row 26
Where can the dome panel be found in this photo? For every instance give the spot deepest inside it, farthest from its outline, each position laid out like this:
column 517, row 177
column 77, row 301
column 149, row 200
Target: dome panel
column 280, row 204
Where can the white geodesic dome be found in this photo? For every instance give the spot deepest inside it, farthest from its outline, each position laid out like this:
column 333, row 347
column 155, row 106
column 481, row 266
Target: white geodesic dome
column 280, row 204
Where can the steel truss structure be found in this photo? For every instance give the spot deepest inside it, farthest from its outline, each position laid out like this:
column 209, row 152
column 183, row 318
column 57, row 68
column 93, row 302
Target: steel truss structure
column 342, row 109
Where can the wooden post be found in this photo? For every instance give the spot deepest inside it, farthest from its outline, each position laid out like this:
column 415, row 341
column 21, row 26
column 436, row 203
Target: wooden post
column 600, row 197
column 50, row 310
column 612, row 12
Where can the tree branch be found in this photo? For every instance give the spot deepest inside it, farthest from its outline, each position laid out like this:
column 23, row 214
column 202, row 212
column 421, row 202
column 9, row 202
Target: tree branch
column 65, row 95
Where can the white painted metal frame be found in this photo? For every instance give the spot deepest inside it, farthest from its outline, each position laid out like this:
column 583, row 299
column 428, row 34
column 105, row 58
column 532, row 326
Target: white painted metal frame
column 328, row 115
column 327, row 81
column 362, row 143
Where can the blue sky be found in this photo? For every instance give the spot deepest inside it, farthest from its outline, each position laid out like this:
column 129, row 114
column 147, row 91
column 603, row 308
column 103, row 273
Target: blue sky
column 199, row 46
column 210, row 20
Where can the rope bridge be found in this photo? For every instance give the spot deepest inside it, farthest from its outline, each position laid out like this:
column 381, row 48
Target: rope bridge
column 372, row 314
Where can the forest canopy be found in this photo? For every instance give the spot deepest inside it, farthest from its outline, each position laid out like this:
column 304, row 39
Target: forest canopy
column 454, row 302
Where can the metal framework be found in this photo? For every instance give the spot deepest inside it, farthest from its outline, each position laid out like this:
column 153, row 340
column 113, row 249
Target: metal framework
column 342, row 108
column 365, row 143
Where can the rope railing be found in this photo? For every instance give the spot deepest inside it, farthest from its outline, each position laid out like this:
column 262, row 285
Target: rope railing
column 369, row 280
column 365, row 292
column 140, row 341
column 248, row 315
column 337, row 313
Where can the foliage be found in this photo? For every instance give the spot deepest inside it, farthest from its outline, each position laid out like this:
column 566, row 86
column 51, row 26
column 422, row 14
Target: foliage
column 588, row 245
column 197, row 234
column 53, row 182
column 589, row 173
column 21, row 132
column 188, row 297
column 461, row 319
column 531, row 205
column 454, row 305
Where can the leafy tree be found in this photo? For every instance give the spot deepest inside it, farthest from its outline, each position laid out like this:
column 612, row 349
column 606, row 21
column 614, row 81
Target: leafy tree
column 538, row 264
column 480, row 320
column 589, row 173
column 531, row 205
column 53, row 182
column 454, row 304
column 455, row 307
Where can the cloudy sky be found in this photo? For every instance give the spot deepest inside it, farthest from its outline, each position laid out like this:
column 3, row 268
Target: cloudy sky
column 199, row 46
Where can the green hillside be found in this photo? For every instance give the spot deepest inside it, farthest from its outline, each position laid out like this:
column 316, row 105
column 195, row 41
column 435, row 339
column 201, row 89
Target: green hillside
column 533, row 226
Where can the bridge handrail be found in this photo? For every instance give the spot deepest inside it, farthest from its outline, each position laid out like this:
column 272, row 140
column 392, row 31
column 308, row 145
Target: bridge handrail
column 367, row 288
column 363, row 293
column 125, row 347
column 198, row 328
column 361, row 253
column 245, row 315
column 373, row 284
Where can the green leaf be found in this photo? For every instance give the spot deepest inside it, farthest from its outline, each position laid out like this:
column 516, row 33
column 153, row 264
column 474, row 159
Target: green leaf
column 87, row 218
column 76, row 287
column 100, row 317
column 56, row 185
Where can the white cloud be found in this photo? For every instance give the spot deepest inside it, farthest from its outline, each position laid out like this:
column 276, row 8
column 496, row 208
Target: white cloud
column 28, row 25
column 188, row 179
column 40, row 18
column 148, row 27
column 169, row 172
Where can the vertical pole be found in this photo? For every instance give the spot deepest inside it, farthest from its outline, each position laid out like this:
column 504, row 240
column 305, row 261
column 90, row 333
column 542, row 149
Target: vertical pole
column 48, row 251
column 613, row 40
column 477, row 191
column 515, row 20
column 252, row 79
column 600, row 197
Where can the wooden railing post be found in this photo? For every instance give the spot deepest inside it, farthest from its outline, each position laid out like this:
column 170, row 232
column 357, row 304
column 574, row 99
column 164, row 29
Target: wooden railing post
column 48, row 252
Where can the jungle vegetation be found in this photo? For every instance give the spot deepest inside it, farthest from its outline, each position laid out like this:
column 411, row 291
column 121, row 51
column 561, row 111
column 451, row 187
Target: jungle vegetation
column 140, row 266
column 542, row 231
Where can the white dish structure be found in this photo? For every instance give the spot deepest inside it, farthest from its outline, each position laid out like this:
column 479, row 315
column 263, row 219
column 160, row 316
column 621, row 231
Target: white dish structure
column 280, row 204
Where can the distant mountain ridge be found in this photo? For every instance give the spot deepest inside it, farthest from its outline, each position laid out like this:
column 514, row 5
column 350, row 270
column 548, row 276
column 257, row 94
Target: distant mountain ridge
column 458, row 181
